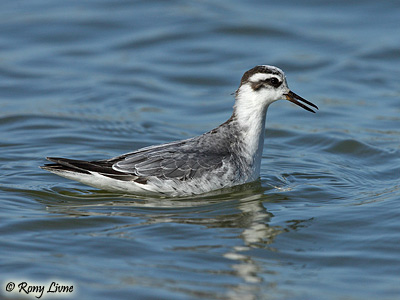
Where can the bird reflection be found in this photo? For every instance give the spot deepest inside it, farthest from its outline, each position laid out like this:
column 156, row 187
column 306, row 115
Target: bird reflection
column 241, row 215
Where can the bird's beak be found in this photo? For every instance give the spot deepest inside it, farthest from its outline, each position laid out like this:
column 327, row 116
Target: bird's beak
column 292, row 98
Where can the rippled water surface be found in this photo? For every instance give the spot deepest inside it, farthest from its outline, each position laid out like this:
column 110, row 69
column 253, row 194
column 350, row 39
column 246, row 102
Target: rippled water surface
column 94, row 79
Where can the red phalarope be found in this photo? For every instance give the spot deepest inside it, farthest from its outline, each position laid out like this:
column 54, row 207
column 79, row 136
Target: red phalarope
column 226, row 156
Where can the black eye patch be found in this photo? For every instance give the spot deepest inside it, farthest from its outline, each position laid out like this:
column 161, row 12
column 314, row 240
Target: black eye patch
column 257, row 85
column 273, row 81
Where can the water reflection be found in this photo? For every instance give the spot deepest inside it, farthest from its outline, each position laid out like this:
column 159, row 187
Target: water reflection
column 241, row 212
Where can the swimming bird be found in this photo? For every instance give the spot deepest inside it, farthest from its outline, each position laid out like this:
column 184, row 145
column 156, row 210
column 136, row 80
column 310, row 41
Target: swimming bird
column 226, row 156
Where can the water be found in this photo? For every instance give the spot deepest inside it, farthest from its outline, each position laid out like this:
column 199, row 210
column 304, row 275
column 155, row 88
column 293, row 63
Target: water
column 94, row 79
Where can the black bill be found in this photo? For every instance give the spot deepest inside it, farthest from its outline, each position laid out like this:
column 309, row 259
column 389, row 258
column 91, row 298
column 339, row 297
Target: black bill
column 292, row 98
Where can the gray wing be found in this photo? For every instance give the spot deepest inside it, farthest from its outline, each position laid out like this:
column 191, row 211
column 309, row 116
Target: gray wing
column 184, row 160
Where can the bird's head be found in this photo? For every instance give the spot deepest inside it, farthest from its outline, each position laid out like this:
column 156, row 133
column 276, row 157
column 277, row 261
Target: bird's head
column 262, row 85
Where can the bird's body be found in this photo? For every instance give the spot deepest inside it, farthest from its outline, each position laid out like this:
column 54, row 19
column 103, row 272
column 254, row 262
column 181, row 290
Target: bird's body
column 226, row 156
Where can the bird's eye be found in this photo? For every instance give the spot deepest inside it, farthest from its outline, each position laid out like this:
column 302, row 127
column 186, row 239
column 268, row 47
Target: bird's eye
column 274, row 82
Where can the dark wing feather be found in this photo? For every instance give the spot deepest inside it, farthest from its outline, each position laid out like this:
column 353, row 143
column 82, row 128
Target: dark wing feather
column 85, row 167
column 171, row 161
column 182, row 160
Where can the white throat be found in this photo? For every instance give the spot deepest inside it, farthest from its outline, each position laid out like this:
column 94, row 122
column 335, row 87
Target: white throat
column 250, row 110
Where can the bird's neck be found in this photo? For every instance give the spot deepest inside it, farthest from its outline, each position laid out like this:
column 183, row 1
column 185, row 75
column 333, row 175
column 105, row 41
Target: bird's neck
column 250, row 122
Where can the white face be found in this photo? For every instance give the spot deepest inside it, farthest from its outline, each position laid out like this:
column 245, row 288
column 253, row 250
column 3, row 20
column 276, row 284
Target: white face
column 271, row 87
column 263, row 85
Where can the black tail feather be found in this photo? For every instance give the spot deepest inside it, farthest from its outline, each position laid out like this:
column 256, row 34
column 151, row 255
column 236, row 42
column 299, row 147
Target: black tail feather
column 86, row 167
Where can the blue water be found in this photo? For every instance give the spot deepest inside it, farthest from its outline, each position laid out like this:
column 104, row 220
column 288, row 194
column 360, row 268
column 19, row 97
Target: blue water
column 94, row 79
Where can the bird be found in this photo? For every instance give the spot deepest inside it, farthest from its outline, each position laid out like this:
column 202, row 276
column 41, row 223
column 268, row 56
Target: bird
column 226, row 156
